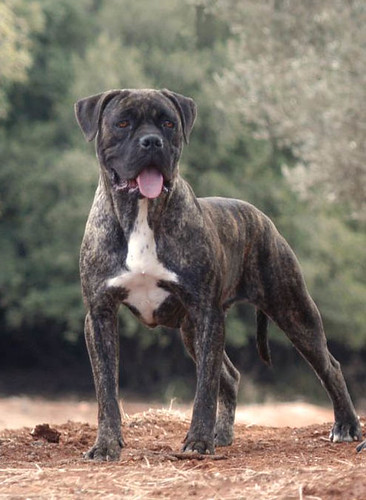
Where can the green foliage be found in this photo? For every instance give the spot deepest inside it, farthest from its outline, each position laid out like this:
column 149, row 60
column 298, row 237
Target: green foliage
column 48, row 175
column 334, row 261
column 301, row 83
column 18, row 20
column 44, row 199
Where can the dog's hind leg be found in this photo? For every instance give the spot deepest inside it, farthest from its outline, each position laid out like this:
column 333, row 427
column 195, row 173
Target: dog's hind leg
column 303, row 326
column 228, row 391
column 281, row 293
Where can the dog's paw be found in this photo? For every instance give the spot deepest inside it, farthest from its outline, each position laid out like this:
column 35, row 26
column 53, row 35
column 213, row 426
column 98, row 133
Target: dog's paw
column 105, row 450
column 224, row 435
column 347, row 432
column 202, row 446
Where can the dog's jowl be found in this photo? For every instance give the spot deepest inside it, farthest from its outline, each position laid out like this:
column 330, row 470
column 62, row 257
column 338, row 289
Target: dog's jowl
column 181, row 261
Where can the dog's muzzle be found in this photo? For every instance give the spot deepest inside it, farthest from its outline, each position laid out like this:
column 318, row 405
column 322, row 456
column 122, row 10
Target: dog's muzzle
column 150, row 181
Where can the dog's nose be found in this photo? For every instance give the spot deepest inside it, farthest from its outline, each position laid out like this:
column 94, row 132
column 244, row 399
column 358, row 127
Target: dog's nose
column 151, row 141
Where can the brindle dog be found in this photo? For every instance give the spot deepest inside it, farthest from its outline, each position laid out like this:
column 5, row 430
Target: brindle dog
column 181, row 261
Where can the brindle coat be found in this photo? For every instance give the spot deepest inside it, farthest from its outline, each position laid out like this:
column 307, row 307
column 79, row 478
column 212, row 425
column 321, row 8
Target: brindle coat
column 181, row 261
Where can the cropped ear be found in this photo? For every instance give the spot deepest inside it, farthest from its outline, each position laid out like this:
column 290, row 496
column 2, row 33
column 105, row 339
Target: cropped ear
column 186, row 108
column 89, row 110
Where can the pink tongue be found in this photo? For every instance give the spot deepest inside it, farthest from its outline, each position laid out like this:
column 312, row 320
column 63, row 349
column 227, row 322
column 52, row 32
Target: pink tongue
column 150, row 182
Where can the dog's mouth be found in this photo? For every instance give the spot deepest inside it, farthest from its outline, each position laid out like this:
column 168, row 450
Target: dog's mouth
column 150, row 182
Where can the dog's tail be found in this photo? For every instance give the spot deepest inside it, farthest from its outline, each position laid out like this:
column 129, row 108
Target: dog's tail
column 262, row 337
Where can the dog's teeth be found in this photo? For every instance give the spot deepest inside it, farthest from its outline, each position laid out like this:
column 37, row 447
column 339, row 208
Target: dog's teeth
column 122, row 186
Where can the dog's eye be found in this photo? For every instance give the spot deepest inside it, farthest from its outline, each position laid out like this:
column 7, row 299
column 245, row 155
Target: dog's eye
column 168, row 124
column 123, row 124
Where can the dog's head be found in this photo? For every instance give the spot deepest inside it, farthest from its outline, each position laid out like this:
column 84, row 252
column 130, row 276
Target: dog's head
column 140, row 135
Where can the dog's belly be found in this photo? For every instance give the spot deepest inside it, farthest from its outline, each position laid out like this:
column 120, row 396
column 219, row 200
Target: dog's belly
column 143, row 271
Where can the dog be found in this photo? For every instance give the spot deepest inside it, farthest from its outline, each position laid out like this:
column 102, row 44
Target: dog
column 181, row 261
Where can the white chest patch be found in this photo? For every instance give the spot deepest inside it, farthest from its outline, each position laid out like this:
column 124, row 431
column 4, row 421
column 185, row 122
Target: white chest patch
column 143, row 270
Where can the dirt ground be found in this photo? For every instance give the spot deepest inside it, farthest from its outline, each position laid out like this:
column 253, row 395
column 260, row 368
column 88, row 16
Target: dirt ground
column 289, row 458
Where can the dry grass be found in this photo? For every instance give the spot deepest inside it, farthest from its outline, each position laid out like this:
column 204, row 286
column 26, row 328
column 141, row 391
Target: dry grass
column 263, row 463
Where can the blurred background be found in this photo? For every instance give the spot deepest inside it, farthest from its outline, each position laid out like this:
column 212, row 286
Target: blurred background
column 281, row 91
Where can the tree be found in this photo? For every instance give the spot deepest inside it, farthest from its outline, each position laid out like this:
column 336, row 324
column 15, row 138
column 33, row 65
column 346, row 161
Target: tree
column 18, row 21
column 42, row 187
column 48, row 174
column 298, row 75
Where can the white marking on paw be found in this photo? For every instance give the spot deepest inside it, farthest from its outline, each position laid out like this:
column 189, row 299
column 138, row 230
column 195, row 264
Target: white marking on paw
column 143, row 269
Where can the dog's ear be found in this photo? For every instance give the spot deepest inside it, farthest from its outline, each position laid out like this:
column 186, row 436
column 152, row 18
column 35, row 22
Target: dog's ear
column 89, row 110
column 186, row 108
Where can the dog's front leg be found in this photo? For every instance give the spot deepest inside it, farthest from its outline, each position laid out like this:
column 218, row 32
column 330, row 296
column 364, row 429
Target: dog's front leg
column 102, row 342
column 209, row 342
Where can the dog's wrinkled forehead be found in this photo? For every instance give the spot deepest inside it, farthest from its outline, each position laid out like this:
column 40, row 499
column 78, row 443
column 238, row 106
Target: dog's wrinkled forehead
column 144, row 103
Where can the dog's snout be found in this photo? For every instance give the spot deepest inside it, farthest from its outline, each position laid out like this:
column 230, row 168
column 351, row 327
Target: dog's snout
column 151, row 141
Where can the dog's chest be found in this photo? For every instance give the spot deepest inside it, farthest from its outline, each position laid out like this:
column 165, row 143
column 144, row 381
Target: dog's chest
column 144, row 270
